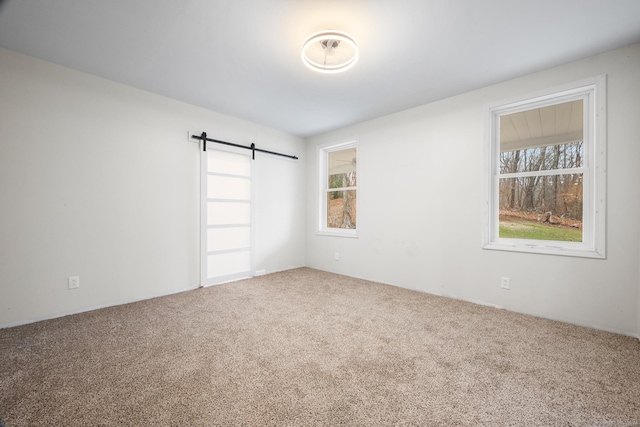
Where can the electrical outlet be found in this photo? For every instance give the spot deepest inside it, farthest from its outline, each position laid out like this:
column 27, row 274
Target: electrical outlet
column 505, row 283
column 336, row 256
column 74, row 282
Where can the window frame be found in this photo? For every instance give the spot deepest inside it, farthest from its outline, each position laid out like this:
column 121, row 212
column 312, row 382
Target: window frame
column 323, row 189
column 593, row 93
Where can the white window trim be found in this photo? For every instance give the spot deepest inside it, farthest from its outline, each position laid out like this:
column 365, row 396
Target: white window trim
column 323, row 158
column 593, row 91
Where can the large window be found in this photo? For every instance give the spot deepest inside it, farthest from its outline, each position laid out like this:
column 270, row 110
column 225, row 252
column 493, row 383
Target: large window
column 547, row 173
column 338, row 189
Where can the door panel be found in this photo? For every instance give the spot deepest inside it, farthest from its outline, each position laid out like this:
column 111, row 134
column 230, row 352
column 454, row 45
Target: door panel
column 226, row 216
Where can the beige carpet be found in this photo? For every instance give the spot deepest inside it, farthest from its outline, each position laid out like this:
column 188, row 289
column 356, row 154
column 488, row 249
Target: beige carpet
column 304, row 347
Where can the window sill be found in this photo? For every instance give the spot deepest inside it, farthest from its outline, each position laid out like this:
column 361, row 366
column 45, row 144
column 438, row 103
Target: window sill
column 546, row 249
column 352, row 235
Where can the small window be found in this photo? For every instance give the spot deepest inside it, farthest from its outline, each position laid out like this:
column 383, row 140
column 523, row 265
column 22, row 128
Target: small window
column 547, row 173
column 338, row 190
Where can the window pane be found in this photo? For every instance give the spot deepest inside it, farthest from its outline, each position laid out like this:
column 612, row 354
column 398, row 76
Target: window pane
column 341, row 209
column 342, row 180
column 543, row 138
column 342, row 168
column 541, row 207
column 549, row 157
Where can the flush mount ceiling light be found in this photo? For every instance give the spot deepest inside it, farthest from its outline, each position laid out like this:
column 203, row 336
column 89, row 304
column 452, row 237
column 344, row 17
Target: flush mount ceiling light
column 330, row 52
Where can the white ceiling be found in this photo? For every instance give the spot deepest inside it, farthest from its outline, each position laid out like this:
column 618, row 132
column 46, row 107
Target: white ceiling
column 242, row 57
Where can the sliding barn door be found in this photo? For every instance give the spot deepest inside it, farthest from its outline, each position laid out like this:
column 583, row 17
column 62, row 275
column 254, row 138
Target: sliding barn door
column 226, row 216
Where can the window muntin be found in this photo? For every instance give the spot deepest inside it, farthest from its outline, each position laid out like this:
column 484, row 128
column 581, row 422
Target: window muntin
column 546, row 185
column 338, row 192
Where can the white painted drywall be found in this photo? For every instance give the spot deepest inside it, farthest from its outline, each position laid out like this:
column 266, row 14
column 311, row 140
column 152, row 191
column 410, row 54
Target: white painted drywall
column 420, row 206
column 98, row 180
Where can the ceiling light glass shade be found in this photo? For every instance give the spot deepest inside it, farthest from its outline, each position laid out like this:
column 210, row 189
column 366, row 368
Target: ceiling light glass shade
column 330, row 52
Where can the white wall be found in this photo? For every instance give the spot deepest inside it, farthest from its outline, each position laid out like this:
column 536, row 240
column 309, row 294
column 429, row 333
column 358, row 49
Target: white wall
column 420, row 206
column 98, row 180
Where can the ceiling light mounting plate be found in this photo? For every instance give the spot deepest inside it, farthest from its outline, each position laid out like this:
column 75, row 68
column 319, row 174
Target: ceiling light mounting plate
column 330, row 52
